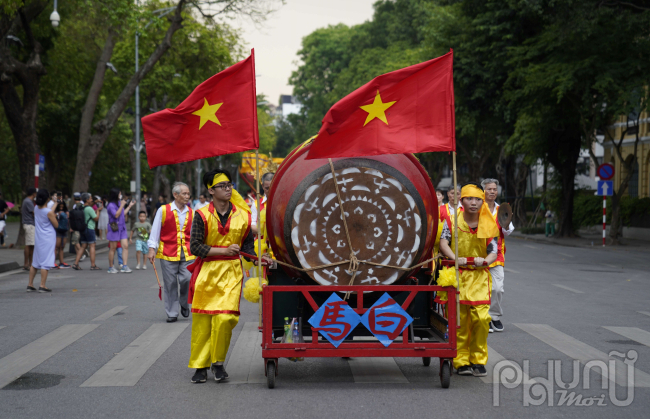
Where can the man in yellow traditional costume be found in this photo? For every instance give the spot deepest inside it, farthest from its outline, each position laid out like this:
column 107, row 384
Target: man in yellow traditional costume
column 220, row 231
column 476, row 232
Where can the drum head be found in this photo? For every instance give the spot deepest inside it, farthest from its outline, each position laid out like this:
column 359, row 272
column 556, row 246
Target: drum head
column 504, row 215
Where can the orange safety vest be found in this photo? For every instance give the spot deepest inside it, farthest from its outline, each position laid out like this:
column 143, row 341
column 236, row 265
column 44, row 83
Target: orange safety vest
column 173, row 236
column 501, row 244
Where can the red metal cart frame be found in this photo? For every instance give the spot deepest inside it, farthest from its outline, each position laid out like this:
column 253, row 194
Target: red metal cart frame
column 443, row 349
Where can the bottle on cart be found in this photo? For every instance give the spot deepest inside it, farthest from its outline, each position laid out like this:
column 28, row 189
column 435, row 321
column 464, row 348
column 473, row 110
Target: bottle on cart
column 287, row 331
column 296, row 331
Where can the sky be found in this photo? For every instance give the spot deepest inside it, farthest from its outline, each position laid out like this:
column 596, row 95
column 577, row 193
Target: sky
column 278, row 40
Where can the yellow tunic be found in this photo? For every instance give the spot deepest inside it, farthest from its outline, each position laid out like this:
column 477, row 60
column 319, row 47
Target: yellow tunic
column 475, row 282
column 219, row 283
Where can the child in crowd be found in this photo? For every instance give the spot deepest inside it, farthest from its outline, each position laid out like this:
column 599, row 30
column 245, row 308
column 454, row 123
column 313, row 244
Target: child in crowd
column 142, row 228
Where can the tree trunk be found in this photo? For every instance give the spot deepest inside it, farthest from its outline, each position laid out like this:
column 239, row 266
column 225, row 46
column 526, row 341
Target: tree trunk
column 92, row 140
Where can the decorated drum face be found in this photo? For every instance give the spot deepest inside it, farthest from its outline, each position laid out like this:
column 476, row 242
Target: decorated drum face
column 384, row 216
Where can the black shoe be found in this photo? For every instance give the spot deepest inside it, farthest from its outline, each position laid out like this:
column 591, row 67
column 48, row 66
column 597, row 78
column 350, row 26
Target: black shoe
column 496, row 325
column 464, row 370
column 43, row 289
column 200, row 376
column 30, row 289
column 219, row 372
column 171, row 319
column 479, row 370
column 185, row 311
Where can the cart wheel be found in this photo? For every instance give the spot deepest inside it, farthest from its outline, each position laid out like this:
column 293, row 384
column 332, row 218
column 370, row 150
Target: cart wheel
column 445, row 373
column 270, row 374
column 426, row 361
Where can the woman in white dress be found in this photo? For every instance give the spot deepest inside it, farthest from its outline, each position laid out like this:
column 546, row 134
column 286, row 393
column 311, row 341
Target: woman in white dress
column 45, row 240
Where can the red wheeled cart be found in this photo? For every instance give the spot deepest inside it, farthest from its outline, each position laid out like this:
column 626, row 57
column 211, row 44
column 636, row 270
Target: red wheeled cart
column 433, row 337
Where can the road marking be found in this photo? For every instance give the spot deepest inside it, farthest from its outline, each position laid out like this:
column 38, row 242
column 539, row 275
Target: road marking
column 110, row 313
column 511, row 270
column 2, row 327
column 568, row 288
column 634, row 333
column 127, row 367
column 584, row 353
column 17, row 271
column 529, row 246
column 35, row 353
column 644, row 312
column 494, row 358
column 245, row 364
column 376, row 370
column 565, row 255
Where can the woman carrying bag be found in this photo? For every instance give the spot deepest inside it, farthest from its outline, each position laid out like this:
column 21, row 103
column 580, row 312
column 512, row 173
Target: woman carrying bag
column 45, row 235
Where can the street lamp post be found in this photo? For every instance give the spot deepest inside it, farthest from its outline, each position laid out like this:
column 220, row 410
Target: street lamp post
column 54, row 17
column 137, row 146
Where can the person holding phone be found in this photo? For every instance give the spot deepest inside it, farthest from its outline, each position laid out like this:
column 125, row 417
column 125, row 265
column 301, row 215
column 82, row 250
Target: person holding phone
column 117, row 208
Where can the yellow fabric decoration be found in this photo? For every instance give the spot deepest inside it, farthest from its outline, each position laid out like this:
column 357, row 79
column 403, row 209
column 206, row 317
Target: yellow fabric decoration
column 235, row 199
column 446, row 278
column 487, row 227
column 252, row 289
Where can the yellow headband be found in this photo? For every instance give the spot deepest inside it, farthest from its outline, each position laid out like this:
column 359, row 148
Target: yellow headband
column 487, row 227
column 471, row 191
column 218, row 178
column 235, row 199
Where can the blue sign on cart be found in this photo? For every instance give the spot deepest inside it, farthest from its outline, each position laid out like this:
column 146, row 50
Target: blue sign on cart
column 386, row 319
column 335, row 320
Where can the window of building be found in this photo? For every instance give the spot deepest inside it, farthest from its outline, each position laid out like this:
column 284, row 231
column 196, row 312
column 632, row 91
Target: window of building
column 633, row 187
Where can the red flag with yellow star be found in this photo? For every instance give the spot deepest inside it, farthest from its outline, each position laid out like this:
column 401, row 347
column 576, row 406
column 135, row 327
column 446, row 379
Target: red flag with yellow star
column 218, row 117
column 406, row 111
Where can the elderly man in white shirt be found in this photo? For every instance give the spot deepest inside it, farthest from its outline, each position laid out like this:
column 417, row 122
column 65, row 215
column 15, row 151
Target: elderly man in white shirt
column 491, row 187
column 169, row 241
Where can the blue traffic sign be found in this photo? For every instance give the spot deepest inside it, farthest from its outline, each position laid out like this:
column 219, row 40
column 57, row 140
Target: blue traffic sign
column 605, row 188
column 605, row 171
column 41, row 163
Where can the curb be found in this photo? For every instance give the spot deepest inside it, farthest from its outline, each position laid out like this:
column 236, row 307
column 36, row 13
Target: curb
column 582, row 246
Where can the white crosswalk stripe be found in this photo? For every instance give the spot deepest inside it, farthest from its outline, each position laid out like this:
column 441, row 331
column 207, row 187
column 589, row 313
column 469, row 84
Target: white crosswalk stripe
column 110, row 313
column 633, row 333
column 35, row 353
column 569, row 288
column 582, row 352
column 127, row 367
column 245, row 364
column 495, row 358
column 644, row 312
column 376, row 370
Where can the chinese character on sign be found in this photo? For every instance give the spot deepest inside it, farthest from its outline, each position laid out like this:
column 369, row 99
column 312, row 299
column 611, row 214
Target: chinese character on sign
column 335, row 320
column 386, row 319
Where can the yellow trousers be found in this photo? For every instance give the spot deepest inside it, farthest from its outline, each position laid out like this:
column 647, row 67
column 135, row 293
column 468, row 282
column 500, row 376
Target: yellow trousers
column 211, row 335
column 471, row 336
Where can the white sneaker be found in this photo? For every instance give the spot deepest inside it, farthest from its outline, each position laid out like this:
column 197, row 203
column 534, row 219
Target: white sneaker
column 125, row 269
column 137, row 266
column 82, row 257
column 112, row 270
column 144, row 267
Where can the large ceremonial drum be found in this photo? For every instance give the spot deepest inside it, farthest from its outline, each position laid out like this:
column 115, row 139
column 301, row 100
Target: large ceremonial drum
column 390, row 208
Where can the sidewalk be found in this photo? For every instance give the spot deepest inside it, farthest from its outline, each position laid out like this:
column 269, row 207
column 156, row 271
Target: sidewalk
column 8, row 255
column 584, row 240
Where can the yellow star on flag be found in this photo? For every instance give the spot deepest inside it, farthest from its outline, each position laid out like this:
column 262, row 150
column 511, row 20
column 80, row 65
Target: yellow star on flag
column 208, row 113
column 377, row 109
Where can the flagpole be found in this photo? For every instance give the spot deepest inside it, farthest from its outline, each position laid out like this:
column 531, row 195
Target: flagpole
column 259, row 241
column 456, row 198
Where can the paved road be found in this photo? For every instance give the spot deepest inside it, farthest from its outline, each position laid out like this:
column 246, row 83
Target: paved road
column 98, row 345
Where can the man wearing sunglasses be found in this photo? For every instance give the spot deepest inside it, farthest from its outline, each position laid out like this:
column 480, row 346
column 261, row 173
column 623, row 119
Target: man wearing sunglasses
column 220, row 231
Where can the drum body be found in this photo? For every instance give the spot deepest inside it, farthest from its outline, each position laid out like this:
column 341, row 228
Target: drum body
column 390, row 208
